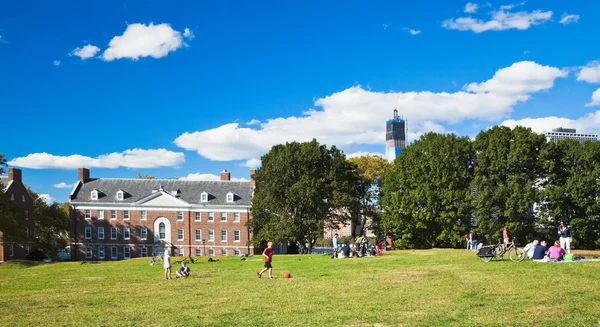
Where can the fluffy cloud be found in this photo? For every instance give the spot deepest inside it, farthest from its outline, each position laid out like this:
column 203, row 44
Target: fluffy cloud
column 56, row 62
column 253, row 122
column 501, row 20
column 252, row 163
column 357, row 116
column 595, row 99
column 136, row 158
column 64, row 185
column 589, row 123
column 590, row 73
column 86, row 52
column 568, row 19
column 188, row 34
column 471, row 8
column 208, row 177
column 412, row 32
column 47, row 198
column 140, row 40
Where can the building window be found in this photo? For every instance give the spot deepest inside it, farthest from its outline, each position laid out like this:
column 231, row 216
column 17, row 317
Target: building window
column 100, row 233
column 143, row 215
column 211, row 235
column 143, row 234
column 87, row 213
column 113, row 214
column 223, row 236
column 236, row 252
column 236, row 235
column 88, row 233
column 223, row 216
column 180, row 234
column 12, row 196
column 113, row 252
column 198, row 235
column 143, row 252
column 180, row 252
column 161, row 231
column 126, row 233
column 126, row 252
column 230, row 197
column 11, row 250
column 26, row 215
column 22, row 198
column 125, row 214
column 94, row 195
column 224, row 252
column 179, row 215
column 211, row 216
column 88, row 252
column 198, row 252
column 100, row 214
column 236, row 217
column 204, row 197
column 113, row 233
column 120, row 195
column 27, row 232
column 100, row 252
column 196, row 216
column 211, row 252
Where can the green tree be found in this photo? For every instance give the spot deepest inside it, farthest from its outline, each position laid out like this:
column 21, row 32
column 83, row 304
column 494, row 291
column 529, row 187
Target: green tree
column 302, row 188
column 2, row 163
column 507, row 176
column 371, row 170
column 140, row 176
column 426, row 194
column 51, row 225
column 571, row 190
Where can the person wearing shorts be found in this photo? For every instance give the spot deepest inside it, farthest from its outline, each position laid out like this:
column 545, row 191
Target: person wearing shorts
column 566, row 235
column 167, row 265
column 268, row 257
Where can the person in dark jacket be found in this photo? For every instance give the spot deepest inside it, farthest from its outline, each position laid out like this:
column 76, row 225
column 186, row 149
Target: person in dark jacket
column 566, row 236
column 539, row 252
column 473, row 240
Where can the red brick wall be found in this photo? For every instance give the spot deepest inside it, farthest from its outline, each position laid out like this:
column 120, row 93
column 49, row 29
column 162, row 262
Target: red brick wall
column 18, row 190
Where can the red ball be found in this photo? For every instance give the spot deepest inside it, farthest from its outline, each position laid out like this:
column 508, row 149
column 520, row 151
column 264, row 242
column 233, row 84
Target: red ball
column 287, row 275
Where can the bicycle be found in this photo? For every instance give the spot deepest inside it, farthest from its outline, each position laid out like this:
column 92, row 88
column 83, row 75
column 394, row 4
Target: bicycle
column 515, row 254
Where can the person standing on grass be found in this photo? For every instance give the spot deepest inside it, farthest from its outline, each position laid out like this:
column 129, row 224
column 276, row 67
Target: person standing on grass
column 468, row 239
column 505, row 236
column 335, row 245
column 473, row 240
column 566, row 236
column 268, row 257
column 167, row 264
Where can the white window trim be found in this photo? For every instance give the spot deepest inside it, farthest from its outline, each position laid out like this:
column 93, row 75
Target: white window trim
column 142, row 237
column 99, row 252
column 116, row 251
column 211, row 215
column 204, row 197
column 120, row 195
column 128, row 231
column 221, row 238
column 182, row 234
column 198, row 250
column 94, row 195
column 87, row 213
column 22, row 198
column 126, row 211
column 116, row 233
column 181, row 251
column 143, row 215
column 236, row 252
column 11, row 250
column 196, row 235
column 211, row 231
column 126, row 252
column 223, row 215
column 239, row 217
column 179, row 212
column 230, row 197
column 101, row 214
column 224, row 252
column 85, row 233
column 111, row 214
column 100, row 229
column 142, row 254
column 211, row 251
column 28, row 249
column 197, row 216
column 239, row 235
column 91, row 252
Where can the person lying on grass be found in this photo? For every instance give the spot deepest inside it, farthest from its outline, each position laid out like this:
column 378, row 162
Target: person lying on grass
column 184, row 271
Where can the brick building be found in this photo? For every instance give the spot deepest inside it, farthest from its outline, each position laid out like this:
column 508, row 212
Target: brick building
column 116, row 218
column 14, row 190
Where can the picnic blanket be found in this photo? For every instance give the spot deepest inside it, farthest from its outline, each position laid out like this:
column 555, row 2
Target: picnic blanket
column 567, row 261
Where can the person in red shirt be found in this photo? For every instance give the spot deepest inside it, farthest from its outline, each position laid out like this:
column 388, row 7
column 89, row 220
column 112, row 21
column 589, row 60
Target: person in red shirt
column 268, row 257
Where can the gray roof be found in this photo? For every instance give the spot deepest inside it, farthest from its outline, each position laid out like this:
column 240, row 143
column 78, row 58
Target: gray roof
column 136, row 189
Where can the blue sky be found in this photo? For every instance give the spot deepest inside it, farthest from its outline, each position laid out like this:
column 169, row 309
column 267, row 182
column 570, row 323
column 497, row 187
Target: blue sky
column 190, row 88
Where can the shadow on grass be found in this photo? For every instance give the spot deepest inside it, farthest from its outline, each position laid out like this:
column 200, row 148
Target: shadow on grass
column 25, row 263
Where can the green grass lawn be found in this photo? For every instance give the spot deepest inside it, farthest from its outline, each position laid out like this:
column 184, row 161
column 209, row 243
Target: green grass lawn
column 402, row 288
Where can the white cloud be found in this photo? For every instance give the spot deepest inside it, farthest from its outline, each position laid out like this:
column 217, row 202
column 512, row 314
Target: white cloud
column 88, row 51
column 208, row 177
column 589, row 123
column 356, row 116
column 501, row 20
column 253, row 122
column 136, row 158
column 595, row 99
column 471, row 8
column 47, row 198
column 590, row 73
column 412, row 32
column 56, row 62
column 568, row 19
column 360, row 154
column 188, row 34
column 252, row 163
column 64, row 185
column 140, row 40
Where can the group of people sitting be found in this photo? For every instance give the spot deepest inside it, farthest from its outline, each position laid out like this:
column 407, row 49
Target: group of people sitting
column 355, row 250
column 540, row 251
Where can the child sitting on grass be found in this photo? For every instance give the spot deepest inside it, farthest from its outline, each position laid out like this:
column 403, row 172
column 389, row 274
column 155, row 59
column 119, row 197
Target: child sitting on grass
column 184, row 271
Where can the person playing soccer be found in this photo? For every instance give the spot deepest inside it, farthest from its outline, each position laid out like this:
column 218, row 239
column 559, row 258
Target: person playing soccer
column 268, row 257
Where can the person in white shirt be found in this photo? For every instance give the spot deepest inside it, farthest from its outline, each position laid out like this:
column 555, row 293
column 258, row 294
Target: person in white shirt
column 529, row 248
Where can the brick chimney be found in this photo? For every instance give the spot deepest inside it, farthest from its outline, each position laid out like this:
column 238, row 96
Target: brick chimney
column 14, row 174
column 252, row 181
column 83, row 174
column 225, row 175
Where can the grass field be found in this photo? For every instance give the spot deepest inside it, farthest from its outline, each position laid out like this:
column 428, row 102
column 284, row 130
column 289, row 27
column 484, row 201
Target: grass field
column 402, row 288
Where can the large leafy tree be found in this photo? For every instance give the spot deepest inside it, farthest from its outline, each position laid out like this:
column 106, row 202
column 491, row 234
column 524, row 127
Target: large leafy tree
column 508, row 173
column 571, row 190
column 51, row 225
column 426, row 194
column 302, row 188
column 371, row 169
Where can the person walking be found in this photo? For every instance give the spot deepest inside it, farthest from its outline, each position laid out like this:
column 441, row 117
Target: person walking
column 268, row 258
column 167, row 264
column 566, row 236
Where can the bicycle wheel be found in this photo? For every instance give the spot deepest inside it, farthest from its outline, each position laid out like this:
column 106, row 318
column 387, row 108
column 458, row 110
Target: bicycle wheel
column 486, row 259
column 516, row 254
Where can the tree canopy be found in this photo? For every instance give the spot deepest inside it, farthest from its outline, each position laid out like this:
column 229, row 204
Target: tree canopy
column 51, row 225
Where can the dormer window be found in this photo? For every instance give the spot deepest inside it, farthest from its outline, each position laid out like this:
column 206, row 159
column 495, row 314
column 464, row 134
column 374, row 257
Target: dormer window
column 120, row 195
column 204, row 197
column 229, row 197
column 95, row 195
